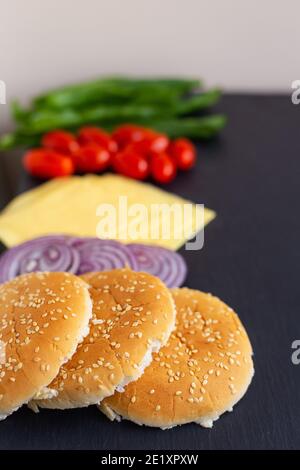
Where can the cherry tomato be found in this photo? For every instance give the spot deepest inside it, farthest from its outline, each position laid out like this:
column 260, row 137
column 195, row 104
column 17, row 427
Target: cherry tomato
column 152, row 143
column 132, row 164
column 158, row 143
column 98, row 136
column 91, row 158
column 45, row 163
column 184, row 153
column 163, row 168
column 127, row 134
column 61, row 141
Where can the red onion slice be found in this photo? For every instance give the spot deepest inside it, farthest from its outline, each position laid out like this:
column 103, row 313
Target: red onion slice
column 49, row 253
column 81, row 255
column 103, row 255
column 168, row 265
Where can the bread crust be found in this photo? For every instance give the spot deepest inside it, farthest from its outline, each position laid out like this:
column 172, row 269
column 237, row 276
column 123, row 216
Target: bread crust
column 204, row 369
column 43, row 316
column 133, row 315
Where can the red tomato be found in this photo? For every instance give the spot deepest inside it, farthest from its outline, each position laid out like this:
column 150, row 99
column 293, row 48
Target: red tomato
column 184, row 153
column 152, row 143
column 61, row 141
column 91, row 158
column 88, row 135
column 127, row 134
column 132, row 164
column 163, row 168
column 45, row 163
column 158, row 142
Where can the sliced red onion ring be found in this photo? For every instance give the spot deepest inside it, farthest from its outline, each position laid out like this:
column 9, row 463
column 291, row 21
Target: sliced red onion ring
column 168, row 265
column 49, row 253
column 103, row 255
column 80, row 255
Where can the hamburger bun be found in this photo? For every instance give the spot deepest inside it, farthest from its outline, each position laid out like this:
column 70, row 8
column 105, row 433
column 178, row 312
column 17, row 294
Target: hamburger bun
column 43, row 316
column 133, row 316
column 203, row 371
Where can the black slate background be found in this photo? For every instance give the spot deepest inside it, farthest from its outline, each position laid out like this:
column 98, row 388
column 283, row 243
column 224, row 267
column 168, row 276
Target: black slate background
column 251, row 257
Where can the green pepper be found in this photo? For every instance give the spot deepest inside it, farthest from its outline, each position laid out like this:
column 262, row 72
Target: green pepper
column 193, row 128
column 112, row 88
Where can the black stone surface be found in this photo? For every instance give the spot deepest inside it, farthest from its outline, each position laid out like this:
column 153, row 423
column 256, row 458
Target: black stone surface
column 251, row 259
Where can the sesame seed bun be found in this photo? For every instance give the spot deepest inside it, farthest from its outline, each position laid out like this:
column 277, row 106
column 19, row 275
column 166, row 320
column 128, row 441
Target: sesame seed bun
column 133, row 316
column 203, row 371
column 43, row 316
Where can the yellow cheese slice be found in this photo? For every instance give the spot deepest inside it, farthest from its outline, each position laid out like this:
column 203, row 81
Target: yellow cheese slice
column 107, row 206
column 29, row 197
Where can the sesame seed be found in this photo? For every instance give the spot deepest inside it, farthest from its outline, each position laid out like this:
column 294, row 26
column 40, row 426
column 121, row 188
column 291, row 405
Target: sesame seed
column 157, row 408
column 133, row 399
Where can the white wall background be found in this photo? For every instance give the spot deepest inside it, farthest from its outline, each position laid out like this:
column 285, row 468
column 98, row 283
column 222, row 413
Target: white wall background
column 249, row 45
